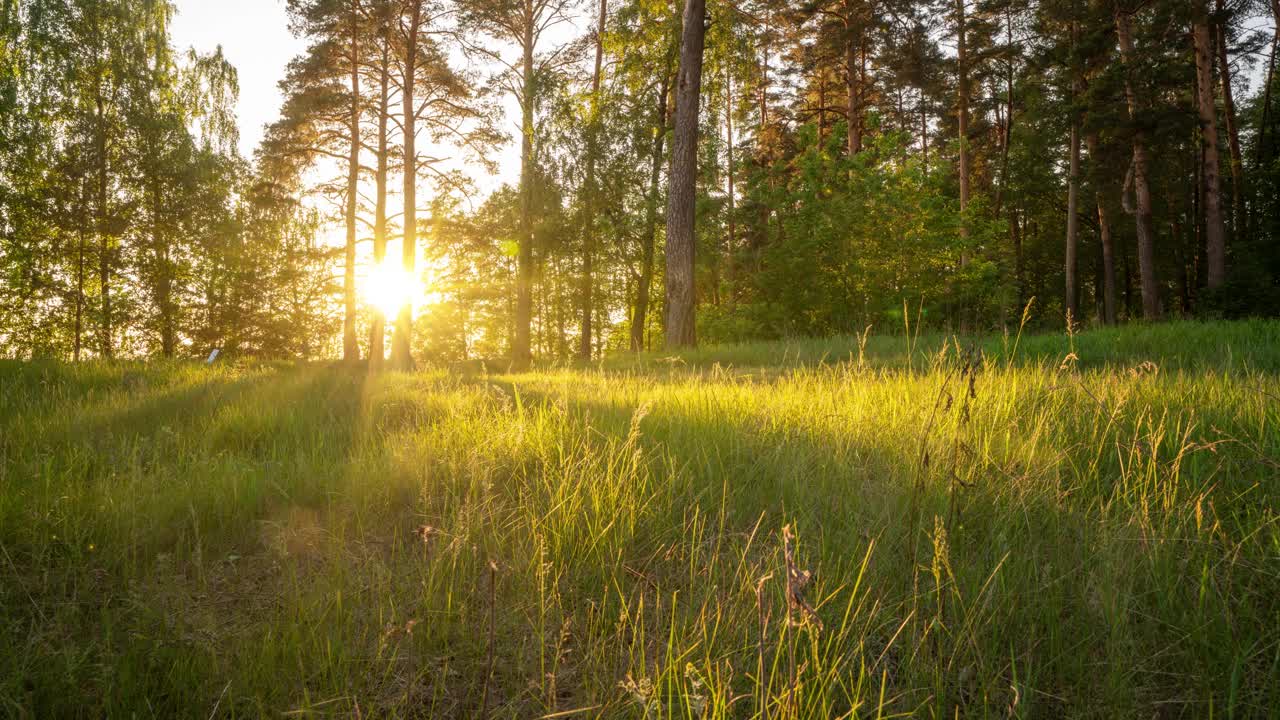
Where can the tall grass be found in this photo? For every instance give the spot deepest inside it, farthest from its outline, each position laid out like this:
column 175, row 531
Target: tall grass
column 777, row 531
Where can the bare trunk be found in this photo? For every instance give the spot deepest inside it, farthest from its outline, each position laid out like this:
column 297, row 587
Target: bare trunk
column 730, row 259
column 962, row 59
column 1006, row 138
column 105, row 344
column 764, row 76
column 80, row 243
column 1019, row 271
column 1073, row 226
column 351, row 346
column 377, row 333
column 402, row 341
column 1104, row 235
column 1239, row 216
column 681, row 210
column 1128, row 282
column 164, row 278
column 1072, row 297
column 522, row 349
column 924, row 132
column 640, row 316
column 589, row 240
column 851, row 81
column 1142, row 190
column 1215, row 227
column 862, row 89
column 1260, row 151
column 822, row 107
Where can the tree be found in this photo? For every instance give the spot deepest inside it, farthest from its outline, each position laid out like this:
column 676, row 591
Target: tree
column 1073, row 195
column 681, row 211
column 1239, row 215
column 412, row 21
column 380, row 66
column 1137, row 178
column 962, row 107
column 437, row 100
column 647, row 41
column 321, row 119
column 1215, row 225
column 104, row 26
column 522, row 23
column 592, row 192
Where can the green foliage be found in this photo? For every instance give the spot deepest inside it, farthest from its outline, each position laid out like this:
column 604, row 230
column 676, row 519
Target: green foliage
column 854, row 238
column 128, row 223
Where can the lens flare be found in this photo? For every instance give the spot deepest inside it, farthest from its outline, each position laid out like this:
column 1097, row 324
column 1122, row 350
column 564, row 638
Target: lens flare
column 389, row 287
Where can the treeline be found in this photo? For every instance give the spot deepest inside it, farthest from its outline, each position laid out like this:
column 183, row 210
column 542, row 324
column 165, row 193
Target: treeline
column 848, row 161
column 128, row 224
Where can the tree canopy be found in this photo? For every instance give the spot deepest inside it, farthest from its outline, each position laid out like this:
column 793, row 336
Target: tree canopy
column 822, row 167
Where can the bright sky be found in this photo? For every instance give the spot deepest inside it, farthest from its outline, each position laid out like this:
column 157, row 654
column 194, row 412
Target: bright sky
column 255, row 37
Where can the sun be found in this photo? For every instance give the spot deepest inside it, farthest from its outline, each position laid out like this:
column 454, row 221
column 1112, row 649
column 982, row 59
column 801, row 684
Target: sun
column 389, row 287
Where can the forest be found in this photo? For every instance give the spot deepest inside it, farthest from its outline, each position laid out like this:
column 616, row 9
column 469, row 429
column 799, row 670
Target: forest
column 640, row 359
column 719, row 171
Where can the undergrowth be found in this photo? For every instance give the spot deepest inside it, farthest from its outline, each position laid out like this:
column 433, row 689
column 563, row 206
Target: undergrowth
column 1084, row 526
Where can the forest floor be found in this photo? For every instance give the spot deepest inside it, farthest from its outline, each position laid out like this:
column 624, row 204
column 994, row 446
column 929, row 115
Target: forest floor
column 1048, row 527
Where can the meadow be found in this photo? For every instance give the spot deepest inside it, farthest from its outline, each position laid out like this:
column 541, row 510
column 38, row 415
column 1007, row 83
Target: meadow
column 1047, row 526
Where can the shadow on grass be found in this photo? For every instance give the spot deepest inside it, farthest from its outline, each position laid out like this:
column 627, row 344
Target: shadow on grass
column 122, row 530
column 1231, row 347
column 1082, row 600
column 1081, row 604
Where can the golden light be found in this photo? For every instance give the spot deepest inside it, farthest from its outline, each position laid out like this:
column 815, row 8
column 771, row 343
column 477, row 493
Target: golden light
column 389, row 287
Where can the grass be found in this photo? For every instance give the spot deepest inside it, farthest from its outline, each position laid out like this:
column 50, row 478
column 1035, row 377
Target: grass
column 1084, row 528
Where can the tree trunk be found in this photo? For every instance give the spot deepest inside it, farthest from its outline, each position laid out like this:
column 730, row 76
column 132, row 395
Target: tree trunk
column 1073, row 226
column 1262, row 147
column 730, row 259
column 852, row 80
column 80, row 243
column 521, row 349
column 962, row 60
column 164, row 277
column 402, row 342
column 1006, row 139
column 1019, row 272
column 1215, row 227
column 924, row 132
column 764, row 76
column 1072, row 297
column 822, row 106
column 589, row 240
column 1185, row 274
column 1142, row 190
column 648, row 239
column 351, row 346
column 377, row 333
column 681, row 210
column 105, row 344
column 1239, row 215
column 1104, row 235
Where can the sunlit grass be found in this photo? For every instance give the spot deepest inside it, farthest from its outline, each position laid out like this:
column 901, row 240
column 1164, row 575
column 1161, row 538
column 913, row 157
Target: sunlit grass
column 1089, row 537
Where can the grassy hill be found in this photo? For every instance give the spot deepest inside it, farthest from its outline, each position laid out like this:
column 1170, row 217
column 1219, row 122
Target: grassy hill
column 1042, row 526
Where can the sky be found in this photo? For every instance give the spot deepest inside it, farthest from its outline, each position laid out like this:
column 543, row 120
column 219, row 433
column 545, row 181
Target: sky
column 255, row 38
